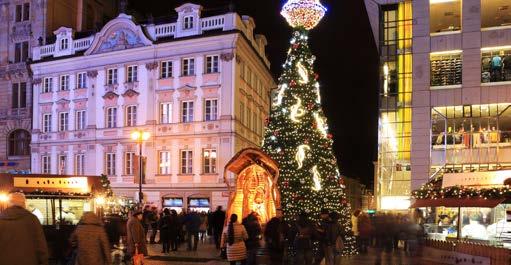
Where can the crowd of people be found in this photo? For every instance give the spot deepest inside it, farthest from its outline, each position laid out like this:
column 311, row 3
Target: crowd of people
column 300, row 241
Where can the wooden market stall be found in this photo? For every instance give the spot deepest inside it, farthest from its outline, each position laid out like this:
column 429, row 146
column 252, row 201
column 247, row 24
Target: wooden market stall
column 254, row 187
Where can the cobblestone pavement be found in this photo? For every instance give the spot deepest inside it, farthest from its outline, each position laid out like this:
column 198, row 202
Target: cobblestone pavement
column 208, row 255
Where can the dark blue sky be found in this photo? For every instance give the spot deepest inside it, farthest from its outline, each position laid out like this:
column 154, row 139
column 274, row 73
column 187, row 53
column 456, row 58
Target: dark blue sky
column 346, row 63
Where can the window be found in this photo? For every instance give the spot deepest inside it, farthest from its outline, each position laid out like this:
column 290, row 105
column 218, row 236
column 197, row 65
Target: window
column 80, row 120
column 166, row 69
column 19, row 143
column 212, row 65
column 21, row 52
column 80, row 164
column 45, row 165
column 132, row 74
column 211, row 107
column 188, row 22
column 111, row 76
column 64, row 83
column 63, row 121
column 186, row 161
column 46, row 123
column 47, row 85
column 165, row 112
column 110, row 164
column 131, row 116
column 188, row 66
column 483, row 131
column 187, row 111
column 64, row 44
column 446, row 69
column 254, row 123
column 242, row 113
column 445, row 15
column 23, row 12
column 62, row 165
column 129, row 159
column 495, row 13
column 249, row 118
column 164, row 162
column 495, row 65
column 111, row 117
column 81, row 80
column 209, row 157
column 19, row 95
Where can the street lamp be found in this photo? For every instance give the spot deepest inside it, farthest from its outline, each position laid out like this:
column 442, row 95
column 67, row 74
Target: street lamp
column 140, row 137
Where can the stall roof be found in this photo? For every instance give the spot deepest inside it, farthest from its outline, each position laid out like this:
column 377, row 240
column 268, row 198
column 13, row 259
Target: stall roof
column 249, row 156
column 29, row 183
column 457, row 202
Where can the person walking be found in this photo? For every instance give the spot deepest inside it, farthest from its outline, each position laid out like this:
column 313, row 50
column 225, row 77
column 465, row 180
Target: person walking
column 335, row 238
column 164, row 224
column 90, row 241
column 146, row 219
column 302, row 234
column 325, row 249
column 153, row 222
column 218, row 225
column 174, row 228
column 275, row 235
column 22, row 238
column 253, row 228
column 192, row 224
column 233, row 238
column 364, row 232
column 136, row 235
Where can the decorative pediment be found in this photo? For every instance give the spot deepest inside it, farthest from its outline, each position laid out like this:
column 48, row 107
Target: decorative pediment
column 119, row 34
column 63, row 101
column 130, row 93
column 110, row 95
column 186, row 88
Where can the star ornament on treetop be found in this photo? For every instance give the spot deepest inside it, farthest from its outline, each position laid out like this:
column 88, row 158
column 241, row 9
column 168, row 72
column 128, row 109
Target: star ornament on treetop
column 303, row 13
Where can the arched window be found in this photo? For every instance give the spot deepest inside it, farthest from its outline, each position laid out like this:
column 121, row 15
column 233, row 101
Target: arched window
column 19, row 143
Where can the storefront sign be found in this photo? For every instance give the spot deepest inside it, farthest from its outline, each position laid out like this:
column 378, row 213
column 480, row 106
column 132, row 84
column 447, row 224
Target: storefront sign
column 488, row 178
column 77, row 184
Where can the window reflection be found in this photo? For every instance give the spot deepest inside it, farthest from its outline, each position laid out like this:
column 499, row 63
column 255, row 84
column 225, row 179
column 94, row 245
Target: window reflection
column 445, row 15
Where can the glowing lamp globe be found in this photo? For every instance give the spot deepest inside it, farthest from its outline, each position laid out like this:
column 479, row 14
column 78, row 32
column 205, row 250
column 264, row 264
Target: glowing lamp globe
column 303, row 13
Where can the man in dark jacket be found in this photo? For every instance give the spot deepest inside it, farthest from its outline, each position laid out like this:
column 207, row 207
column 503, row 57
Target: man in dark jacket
column 91, row 241
column 324, row 244
column 218, row 225
column 192, row 223
column 22, row 239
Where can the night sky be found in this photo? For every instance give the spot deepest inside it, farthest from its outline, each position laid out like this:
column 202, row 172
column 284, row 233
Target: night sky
column 346, row 63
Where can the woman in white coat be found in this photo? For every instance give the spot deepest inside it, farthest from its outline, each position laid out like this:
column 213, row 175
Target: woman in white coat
column 233, row 237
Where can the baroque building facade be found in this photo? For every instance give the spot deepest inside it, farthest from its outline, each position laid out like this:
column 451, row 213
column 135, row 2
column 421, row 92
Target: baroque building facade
column 23, row 25
column 199, row 86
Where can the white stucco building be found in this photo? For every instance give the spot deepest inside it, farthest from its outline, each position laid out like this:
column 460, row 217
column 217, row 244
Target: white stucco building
column 200, row 86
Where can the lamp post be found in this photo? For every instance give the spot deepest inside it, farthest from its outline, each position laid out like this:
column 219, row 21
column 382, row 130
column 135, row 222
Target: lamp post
column 140, row 137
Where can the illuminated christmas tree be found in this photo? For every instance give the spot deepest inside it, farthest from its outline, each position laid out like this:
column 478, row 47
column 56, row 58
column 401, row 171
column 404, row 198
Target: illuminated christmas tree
column 297, row 136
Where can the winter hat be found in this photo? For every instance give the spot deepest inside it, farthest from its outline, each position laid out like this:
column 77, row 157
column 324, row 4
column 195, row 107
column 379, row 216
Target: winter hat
column 17, row 199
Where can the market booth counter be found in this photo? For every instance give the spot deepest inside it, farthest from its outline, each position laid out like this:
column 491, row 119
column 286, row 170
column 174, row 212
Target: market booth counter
column 57, row 201
column 470, row 217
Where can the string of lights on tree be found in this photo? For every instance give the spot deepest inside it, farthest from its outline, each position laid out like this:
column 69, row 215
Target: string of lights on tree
column 296, row 134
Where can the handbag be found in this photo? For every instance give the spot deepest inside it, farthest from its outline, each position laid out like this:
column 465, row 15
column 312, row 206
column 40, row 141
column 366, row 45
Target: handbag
column 138, row 258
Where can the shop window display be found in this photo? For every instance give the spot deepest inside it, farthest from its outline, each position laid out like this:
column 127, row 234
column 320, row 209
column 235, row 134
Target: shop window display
column 496, row 66
column 445, row 16
column 446, row 69
column 50, row 211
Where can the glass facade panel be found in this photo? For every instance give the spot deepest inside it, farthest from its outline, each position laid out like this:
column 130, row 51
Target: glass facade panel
column 495, row 65
column 393, row 169
column 495, row 13
column 446, row 69
column 445, row 15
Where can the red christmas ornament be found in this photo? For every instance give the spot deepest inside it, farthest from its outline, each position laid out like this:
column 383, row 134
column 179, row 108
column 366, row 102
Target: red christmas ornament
column 292, row 83
column 329, row 136
column 316, row 76
column 296, row 45
column 310, row 106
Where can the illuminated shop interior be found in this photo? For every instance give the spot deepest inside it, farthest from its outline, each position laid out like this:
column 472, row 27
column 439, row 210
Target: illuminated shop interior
column 495, row 13
column 393, row 167
column 446, row 68
column 445, row 16
column 496, row 64
column 471, row 138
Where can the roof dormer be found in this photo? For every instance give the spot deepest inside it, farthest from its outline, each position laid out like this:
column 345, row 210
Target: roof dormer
column 64, row 41
column 188, row 20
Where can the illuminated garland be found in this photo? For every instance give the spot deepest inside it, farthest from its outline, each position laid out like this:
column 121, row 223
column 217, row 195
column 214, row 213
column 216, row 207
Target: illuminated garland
column 296, row 110
column 430, row 191
column 303, row 13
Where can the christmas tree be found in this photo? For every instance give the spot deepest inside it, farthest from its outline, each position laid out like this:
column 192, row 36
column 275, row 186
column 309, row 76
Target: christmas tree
column 296, row 135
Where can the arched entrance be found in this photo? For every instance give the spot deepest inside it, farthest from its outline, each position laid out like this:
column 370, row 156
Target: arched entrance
column 255, row 185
